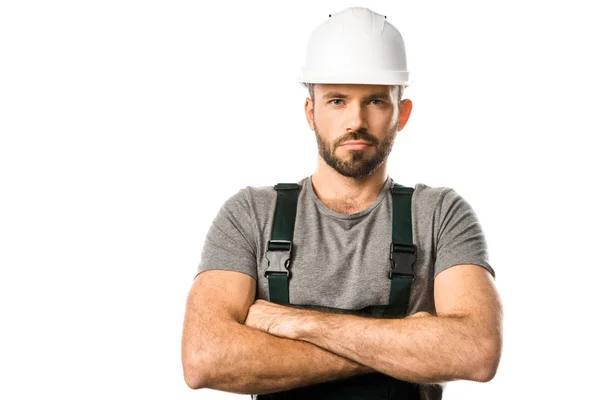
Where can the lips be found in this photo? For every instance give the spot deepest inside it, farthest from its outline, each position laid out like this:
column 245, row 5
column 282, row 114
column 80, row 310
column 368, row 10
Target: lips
column 354, row 145
column 355, row 142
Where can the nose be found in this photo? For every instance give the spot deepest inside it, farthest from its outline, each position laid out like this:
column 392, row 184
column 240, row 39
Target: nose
column 355, row 117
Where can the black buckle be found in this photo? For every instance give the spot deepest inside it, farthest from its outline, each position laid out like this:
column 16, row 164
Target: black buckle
column 403, row 256
column 281, row 254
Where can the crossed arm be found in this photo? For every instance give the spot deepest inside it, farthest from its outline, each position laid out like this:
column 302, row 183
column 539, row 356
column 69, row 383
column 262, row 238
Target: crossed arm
column 220, row 352
column 265, row 347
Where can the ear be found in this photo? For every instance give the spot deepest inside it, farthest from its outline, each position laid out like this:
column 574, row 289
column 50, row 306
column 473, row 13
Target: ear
column 309, row 111
column 405, row 110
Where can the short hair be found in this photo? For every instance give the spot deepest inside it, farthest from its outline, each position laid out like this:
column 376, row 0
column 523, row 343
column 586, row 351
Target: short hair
column 311, row 91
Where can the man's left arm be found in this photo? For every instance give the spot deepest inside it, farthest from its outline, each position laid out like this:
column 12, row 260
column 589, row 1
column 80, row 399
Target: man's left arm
column 463, row 341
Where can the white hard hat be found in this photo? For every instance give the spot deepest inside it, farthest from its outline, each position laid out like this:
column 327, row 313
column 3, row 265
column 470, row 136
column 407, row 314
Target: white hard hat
column 356, row 45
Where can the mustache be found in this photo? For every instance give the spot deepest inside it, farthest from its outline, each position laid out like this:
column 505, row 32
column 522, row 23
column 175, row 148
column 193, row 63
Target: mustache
column 358, row 135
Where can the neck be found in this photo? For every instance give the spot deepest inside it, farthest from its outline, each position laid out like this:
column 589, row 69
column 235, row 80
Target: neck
column 330, row 186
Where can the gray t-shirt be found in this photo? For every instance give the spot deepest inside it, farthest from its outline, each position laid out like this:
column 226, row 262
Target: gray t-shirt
column 342, row 260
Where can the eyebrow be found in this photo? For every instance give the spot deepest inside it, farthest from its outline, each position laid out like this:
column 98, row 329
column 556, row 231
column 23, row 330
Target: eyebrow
column 338, row 95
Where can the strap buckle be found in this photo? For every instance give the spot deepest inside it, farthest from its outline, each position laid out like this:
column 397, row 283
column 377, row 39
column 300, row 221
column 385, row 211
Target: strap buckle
column 281, row 254
column 402, row 256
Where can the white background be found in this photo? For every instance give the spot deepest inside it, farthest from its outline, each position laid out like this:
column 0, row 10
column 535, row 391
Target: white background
column 126, row 124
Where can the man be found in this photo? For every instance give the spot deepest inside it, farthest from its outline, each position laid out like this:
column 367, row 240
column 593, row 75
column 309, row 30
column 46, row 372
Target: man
column 317, row 320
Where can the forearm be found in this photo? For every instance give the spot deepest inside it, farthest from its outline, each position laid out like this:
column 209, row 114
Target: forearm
column 249, row 361
column 425, row 349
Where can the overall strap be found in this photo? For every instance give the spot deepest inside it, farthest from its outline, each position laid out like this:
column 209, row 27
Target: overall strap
column 279, row 248
column 403, row 252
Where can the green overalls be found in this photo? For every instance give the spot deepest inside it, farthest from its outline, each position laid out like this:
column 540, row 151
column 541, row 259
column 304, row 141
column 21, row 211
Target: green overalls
column 403, row 254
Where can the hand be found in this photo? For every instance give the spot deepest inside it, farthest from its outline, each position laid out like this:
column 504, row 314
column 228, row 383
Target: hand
column 273, row 318
column 420, row 314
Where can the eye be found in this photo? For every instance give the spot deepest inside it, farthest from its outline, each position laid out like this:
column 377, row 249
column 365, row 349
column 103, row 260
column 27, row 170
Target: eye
column 380, row 101
column 335, row 104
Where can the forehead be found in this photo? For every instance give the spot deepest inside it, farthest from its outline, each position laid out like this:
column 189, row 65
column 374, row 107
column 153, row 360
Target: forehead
column 353, row 90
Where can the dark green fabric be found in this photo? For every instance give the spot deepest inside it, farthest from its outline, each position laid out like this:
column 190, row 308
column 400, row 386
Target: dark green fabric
column 402, row 241
column 278, row 288
column 402, row 214
column 285, row 211
column 279, row 246
column 400, row 293
column 360, row 387
column 283, row 229
column 366, row 386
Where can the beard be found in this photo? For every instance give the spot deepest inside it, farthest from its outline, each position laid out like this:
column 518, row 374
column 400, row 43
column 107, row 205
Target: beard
column 361, row 163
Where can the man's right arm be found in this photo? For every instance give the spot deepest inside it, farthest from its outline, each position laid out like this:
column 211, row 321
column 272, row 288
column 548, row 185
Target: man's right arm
column 220, row 352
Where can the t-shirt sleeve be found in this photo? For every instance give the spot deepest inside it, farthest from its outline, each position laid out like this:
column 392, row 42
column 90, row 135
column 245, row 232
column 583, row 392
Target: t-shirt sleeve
column 230, row 242
column 460, row 237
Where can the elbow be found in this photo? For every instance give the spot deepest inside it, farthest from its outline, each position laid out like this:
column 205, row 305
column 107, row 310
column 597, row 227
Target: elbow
column 194, row 371
column 192, row 378
column 485, row 373
column 485, row 370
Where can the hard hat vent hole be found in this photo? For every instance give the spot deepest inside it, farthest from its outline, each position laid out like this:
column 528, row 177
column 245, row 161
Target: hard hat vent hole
column 329, row 15
column 385, row 16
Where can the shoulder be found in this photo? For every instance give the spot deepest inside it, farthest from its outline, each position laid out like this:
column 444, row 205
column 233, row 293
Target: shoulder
column 431, row 193
column 441, row 200
column 257, row 198
column 440, row 204
column 250, row 195
column 431, row 197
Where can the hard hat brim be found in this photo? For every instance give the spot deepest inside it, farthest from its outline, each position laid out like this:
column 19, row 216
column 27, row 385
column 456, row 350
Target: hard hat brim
column 356, row 77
